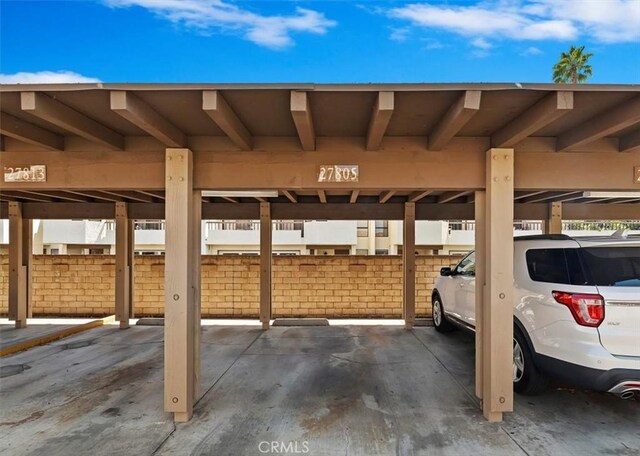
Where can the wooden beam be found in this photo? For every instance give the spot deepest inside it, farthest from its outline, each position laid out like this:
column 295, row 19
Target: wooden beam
column 497, row 318
column 450, row 196
column 417, row 196
column 216, row 107
column 553, row 223
column 385, row 196
column 146, row 118
column 322, row 195
column 380, row 117
column 265, row 264
column 231, row 200
column 601, row 125
column 180, row 298
column 549, row 108
column 461, row 112
column 630, row 142
column 291, row 196
column 46, row 108
column 27, row 132
column 19, row 265
column 122, row 290
column 301, row 113
column 480, row 209
column 155, row 194
column 328, row 211
column 409, row 265
column 354, row 196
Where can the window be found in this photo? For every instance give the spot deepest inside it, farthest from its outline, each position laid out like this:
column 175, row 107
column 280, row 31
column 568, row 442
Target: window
column 467, row 267
column 341, row 252
column 555, row 266
column 363, row 228
column 382, row 228
column 382, row 252
column 54, row 251
column 362, row 252
column 613, row 266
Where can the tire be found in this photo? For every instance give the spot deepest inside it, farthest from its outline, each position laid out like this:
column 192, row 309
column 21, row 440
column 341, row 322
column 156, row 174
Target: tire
column 527, row 380
column 440, row 321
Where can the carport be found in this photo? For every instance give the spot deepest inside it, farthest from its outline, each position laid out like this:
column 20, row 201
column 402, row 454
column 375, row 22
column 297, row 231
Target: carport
column 489, row 152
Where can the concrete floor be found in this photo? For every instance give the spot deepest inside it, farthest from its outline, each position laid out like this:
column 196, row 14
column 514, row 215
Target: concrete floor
column 352, row 390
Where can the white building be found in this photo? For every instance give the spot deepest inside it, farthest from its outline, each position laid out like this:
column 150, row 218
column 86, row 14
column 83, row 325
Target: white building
column 312, row 237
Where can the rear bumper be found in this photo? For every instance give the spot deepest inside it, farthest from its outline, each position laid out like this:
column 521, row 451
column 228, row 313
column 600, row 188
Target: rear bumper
column 586, row 377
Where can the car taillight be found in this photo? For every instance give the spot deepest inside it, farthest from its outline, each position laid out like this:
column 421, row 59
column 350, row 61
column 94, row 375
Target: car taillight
column 587, row 309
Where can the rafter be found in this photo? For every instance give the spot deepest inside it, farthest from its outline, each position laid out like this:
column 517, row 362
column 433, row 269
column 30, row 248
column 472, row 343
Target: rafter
column 323, row 196
column 27, row 132
column 60, row 195
column 417, row 196
column 103, row 196
column 46, row 108
column 216, row 107
column 301, row 113
column 291, row 196
column 380, row 117
column 450, row 196
column 630, row 142
column 549, row 196
column 28, row 196
column 354, row 196
column 549, row 108
column 601, row 125
column 146, row 118
column 522, row 195
column 134, row 196
column 385, row 196
column 461, row 112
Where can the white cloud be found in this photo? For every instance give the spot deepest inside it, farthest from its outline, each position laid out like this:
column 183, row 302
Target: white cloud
column 45, row 77
column 530, row 20
column 481, row 43
column 399, row 34
column 532, row 50
column 220, row 15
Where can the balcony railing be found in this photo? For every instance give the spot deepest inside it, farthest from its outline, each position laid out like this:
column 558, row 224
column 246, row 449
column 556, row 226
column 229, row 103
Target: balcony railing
column 254, row 225
column 534, row 225
column 148, row 225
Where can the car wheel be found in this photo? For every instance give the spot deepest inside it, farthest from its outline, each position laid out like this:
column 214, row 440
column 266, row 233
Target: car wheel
column 439, row 319
column 527, row 379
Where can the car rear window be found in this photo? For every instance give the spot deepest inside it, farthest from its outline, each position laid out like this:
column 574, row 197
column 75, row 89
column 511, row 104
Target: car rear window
column 613, row 266
column 555, row 266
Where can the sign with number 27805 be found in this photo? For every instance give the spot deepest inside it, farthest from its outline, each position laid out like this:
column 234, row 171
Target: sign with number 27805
column 338, row 173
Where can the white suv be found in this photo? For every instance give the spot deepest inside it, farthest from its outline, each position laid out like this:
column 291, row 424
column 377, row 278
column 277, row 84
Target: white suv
column 576, row 311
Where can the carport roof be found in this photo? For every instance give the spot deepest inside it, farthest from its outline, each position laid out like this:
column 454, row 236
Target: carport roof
column 272, row 118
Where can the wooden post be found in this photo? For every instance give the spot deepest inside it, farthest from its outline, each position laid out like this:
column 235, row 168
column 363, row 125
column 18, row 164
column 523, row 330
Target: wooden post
column 553, row 223
column 497, row 318
column 196, row 280
column 409, row 265
column 27, row 262
column 19, row 265
column 181, row 307
column 265, row 264
column 123, row 291
column 480, row 216
column 131, row 261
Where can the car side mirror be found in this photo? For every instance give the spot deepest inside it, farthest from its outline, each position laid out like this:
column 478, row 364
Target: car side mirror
column 446, row 272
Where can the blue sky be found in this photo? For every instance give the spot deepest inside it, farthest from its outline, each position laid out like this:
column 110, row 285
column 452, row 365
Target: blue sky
column 313, row 41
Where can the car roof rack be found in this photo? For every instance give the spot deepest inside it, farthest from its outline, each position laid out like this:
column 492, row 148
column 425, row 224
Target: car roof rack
column 544, row 237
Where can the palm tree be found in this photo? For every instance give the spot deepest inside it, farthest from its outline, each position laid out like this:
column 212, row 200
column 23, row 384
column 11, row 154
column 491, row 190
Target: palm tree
column 572, row 67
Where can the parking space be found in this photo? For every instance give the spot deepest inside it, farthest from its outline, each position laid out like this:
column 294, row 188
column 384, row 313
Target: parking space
column 334, row 390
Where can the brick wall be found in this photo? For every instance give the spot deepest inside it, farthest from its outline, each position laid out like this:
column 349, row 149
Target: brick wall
column 330, row 286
